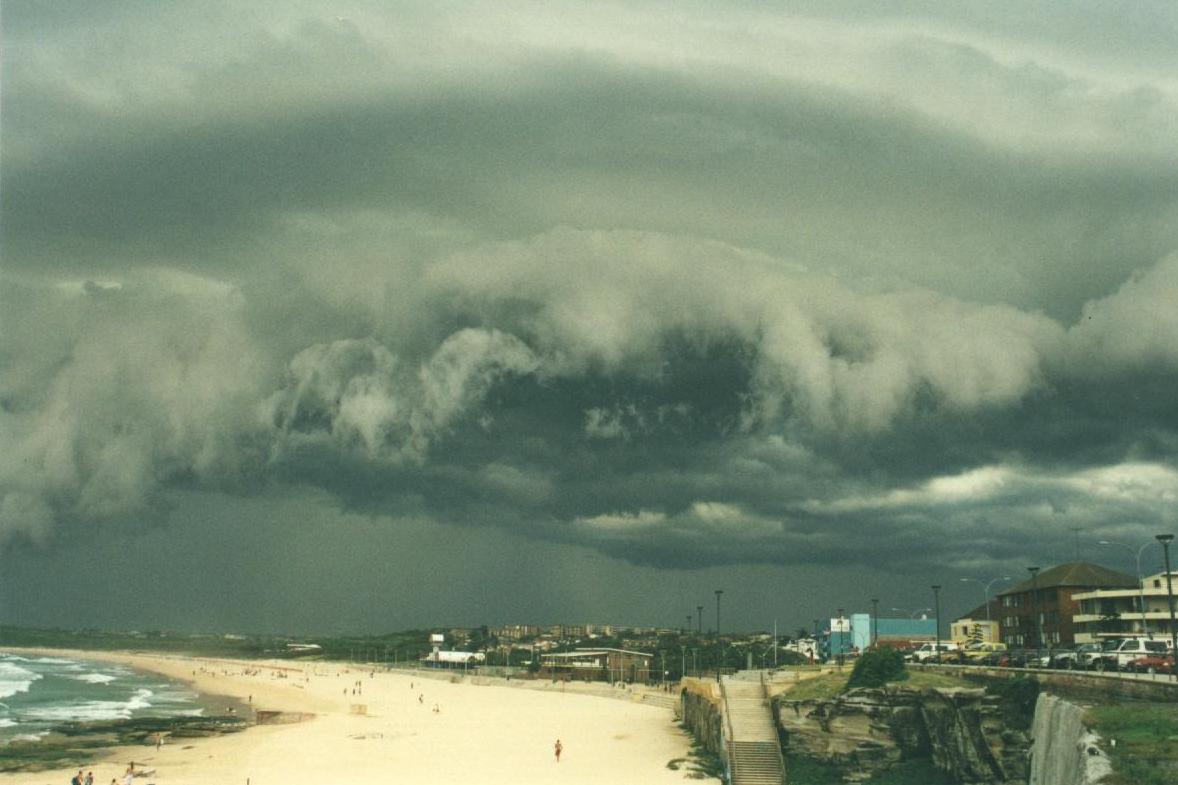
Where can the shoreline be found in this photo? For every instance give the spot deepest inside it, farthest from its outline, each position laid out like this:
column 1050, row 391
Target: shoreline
column 360, row 724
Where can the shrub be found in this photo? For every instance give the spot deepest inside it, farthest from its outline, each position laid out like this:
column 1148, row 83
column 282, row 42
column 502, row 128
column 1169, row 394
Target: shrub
column 876, row 668
column 1017, row 700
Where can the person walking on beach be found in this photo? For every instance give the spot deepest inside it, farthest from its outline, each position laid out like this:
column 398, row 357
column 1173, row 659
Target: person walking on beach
column 557, row 749
column 89, row 778
column 77, row 778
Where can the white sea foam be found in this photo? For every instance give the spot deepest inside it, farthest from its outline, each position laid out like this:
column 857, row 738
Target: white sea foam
column 30, row 736
column 54, row 661
column 6, row 723
column 14, row 679
column 91, row 710
column 95, row 678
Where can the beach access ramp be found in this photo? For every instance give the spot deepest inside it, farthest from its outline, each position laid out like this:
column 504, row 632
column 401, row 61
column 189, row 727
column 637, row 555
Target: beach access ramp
column 754, row 752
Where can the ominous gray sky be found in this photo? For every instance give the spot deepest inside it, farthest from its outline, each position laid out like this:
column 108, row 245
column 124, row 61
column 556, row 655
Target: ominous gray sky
column 365, row 315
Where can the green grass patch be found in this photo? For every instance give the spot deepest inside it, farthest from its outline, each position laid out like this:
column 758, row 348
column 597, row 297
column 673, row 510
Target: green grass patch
column 806, row 771
column 1146, row 734
column 927, row 680
column 824, row 687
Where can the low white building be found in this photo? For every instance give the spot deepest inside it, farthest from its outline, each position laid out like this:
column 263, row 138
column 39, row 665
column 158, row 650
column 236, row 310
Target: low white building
column 452, row 659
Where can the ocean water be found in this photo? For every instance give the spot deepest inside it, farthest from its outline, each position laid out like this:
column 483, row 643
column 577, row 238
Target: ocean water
column 37, row 693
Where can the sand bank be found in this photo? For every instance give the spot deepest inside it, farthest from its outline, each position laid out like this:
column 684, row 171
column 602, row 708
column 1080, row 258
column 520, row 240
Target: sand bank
column 485, row 734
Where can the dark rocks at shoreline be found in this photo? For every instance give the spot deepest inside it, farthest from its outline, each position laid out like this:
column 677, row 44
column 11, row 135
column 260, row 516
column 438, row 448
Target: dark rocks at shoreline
column 78, row 742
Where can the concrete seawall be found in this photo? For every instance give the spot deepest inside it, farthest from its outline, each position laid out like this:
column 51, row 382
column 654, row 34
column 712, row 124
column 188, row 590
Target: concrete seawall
column 1078, row 684
column 702, row 713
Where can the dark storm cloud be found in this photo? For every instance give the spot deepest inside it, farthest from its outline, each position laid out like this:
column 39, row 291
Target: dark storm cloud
column 711, row 292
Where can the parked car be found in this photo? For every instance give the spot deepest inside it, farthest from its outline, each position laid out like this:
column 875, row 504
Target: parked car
column 1121, row 653
column 1038, row 658
column 1085, row 655
column 1062, row 659
column 1152, row 663
column 1014, row 658
column 979, row 653
column 926, row 654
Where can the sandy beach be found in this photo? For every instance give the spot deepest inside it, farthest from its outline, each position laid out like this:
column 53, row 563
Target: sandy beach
column 490, row 732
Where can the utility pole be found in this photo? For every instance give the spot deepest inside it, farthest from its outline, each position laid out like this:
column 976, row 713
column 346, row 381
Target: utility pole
column 874, row 621
column 1165, row 540
column 719, row 643
column 699, row 610
column 1034, row 599
column 937, row 603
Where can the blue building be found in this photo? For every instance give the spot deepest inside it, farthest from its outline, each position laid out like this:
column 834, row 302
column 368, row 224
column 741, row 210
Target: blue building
column 853, row 632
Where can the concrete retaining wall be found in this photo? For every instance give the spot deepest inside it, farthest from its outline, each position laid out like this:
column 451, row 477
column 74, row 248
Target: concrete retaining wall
column 1078, row 684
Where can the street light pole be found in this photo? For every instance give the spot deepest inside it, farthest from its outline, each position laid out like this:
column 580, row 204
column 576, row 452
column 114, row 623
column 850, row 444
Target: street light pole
column 1140, row 580
column 719, row 643
column 1165, row 540
column 986, row 590
column 699, row 610
column 1034, row 614
column 842, row 640
column 874, row 621
column 937, row 605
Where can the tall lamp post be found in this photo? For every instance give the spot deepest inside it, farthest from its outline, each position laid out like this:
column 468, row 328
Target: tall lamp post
column 699, row 612
column 874, row 621
column 689, row 624
column 719, row 644
column 1140, row 579
column 986, row 589
column 1034, row 613
column 816, row 651
column 937, row 605
column 1165, row 540
column 842, row 639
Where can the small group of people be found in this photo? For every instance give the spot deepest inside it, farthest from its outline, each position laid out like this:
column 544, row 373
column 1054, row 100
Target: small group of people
column 128, row 777
column 88, row 779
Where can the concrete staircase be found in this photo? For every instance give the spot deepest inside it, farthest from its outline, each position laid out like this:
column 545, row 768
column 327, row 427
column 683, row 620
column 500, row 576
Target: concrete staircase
column 754, row 751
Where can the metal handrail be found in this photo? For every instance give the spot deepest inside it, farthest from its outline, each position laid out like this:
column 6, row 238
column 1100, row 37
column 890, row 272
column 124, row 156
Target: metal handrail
column 773, row 718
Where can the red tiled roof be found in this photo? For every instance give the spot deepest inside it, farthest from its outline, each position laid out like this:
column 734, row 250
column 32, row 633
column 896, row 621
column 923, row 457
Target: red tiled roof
column 1075, row 573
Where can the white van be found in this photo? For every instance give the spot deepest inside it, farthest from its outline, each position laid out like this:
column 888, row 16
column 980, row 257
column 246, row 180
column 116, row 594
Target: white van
column 926, row 652
column 1120, row 653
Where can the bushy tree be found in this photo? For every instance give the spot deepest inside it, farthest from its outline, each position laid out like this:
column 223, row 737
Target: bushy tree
column 876, row 668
